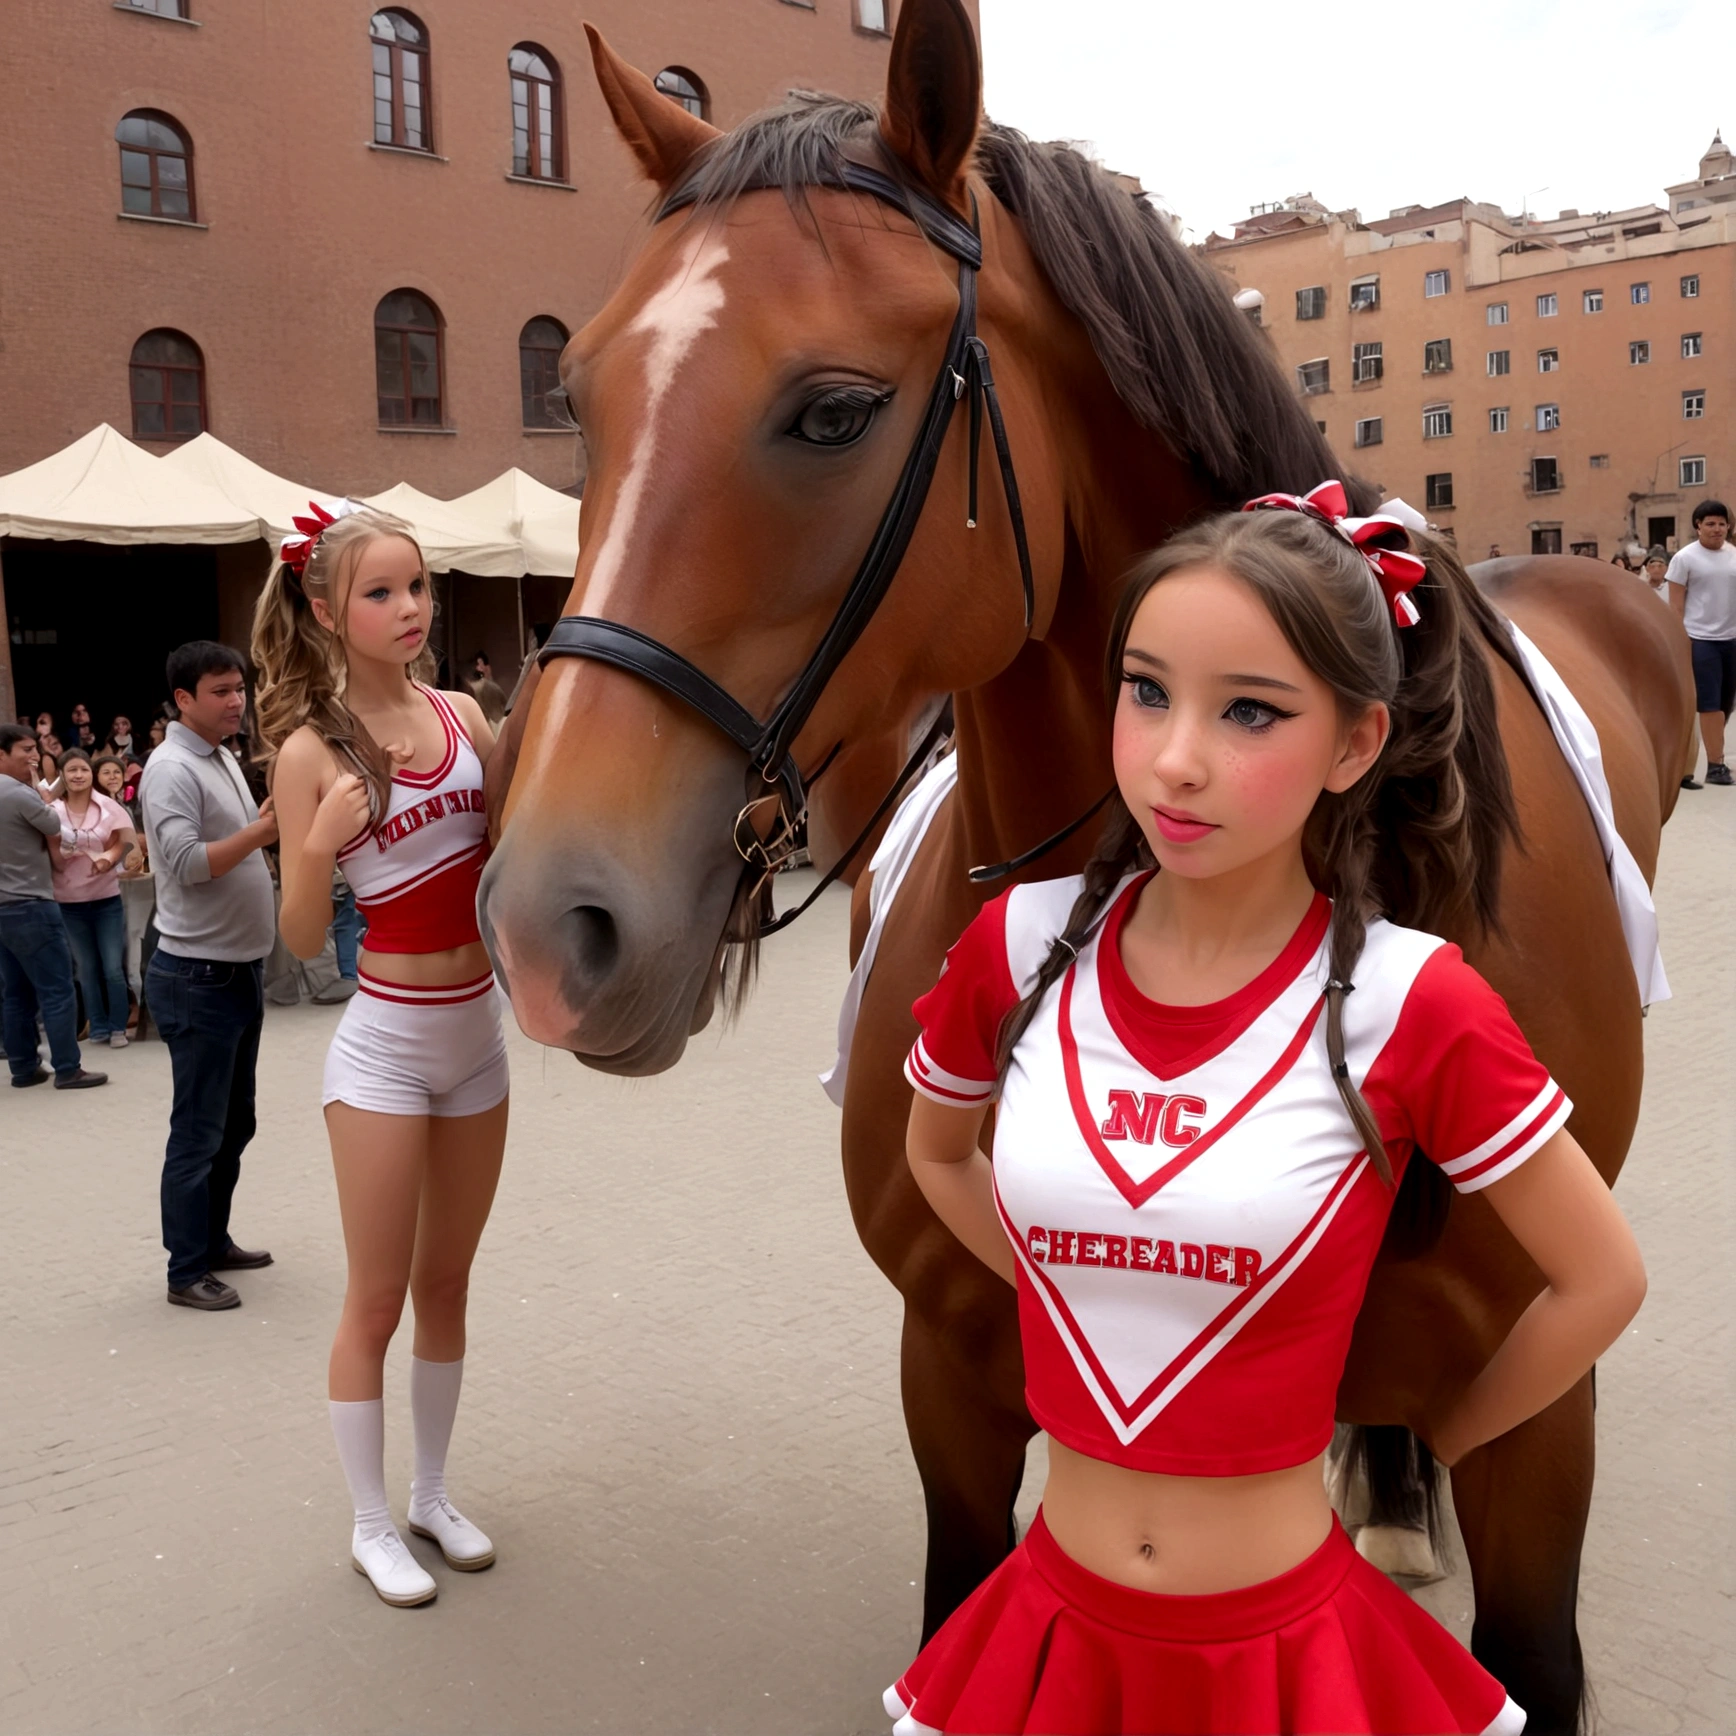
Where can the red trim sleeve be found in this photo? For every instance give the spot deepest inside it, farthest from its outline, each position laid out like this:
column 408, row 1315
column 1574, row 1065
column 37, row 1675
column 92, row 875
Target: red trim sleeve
column 953, row 1060
column 1459, row 1080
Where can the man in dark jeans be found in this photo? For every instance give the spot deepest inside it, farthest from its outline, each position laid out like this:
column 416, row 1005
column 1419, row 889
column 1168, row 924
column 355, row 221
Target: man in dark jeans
column 205, row 986
column 35, row 959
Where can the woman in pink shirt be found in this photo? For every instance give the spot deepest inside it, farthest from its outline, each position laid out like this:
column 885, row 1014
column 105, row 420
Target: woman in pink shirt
column 96, row 837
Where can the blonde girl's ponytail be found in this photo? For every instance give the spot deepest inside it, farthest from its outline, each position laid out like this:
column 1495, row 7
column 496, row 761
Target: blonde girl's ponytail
column 301, row 667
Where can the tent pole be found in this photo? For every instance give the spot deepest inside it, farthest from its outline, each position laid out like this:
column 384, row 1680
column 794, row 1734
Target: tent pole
column 8, row 693
column 518, row 591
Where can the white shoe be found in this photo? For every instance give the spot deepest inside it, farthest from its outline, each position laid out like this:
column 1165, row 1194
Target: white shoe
column 464, row 1547
column 117, row 1039
column 386, row 1563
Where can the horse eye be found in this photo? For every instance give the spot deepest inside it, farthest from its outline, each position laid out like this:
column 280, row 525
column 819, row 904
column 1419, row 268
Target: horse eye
column 839, row 418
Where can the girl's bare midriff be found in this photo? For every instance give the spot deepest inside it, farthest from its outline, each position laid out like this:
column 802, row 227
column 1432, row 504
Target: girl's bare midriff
column 1183, row 1536
column 428, row 970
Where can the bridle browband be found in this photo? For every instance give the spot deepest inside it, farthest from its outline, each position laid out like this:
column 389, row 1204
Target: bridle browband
column 769, row 743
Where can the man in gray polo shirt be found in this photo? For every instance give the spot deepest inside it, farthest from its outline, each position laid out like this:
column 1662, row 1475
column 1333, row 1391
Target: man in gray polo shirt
column 205, row 985
column 35, row 960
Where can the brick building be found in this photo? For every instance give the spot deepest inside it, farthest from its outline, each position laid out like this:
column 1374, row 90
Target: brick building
column 349, row 240
column 1562, row 385
column 346, row 240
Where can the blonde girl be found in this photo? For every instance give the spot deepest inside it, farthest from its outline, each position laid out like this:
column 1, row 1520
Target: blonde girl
column 377, row 773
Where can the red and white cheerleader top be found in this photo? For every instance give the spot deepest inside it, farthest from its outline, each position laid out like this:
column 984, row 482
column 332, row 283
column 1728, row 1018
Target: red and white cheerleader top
column 1193, row 1213
column 415, row 874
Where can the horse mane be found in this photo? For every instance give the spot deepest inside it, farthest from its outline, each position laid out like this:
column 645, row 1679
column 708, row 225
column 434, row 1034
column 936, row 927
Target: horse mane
column 1185, row 361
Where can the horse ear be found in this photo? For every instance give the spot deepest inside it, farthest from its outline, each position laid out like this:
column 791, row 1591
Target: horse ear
column 660, row 133
column 934, row 96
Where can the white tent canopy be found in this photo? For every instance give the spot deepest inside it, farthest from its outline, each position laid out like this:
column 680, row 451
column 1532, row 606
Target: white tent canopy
column 544, row 521
column 103, row 488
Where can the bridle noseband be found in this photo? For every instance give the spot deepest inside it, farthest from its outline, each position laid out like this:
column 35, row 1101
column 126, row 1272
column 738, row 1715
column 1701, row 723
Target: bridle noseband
column 768, row 743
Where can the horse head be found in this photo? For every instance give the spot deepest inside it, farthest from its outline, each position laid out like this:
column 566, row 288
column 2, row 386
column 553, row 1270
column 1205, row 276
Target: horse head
column 750, row 396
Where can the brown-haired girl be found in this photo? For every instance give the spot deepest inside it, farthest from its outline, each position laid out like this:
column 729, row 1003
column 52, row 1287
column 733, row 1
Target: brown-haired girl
column 377, row 772
column 1214, row 1053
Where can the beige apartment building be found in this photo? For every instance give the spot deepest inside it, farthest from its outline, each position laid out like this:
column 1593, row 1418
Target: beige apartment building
column 1561, row 385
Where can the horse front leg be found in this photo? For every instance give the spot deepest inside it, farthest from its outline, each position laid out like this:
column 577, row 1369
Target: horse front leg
column 1522, row 1501
column 970, row 1453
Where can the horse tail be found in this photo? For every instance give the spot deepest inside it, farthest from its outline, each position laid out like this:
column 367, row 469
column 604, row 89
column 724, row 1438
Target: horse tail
column 1403, row 1479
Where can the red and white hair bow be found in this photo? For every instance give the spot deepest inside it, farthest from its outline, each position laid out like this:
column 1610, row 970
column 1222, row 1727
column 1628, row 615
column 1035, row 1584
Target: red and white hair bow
column 1380, row 540
column 297, row 550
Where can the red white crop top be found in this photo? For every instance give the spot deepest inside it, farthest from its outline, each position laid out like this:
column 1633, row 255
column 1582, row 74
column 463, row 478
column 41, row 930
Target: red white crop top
column 1193, row 1214
column 415, row 874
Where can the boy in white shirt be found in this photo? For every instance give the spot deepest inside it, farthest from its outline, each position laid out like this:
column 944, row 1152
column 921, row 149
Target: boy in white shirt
column 1703, row 581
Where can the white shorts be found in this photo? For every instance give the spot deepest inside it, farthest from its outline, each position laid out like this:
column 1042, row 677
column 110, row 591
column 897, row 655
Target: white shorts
column 411, row 1051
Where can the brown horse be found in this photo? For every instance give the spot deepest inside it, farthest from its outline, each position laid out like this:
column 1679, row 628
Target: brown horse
column 748, row 396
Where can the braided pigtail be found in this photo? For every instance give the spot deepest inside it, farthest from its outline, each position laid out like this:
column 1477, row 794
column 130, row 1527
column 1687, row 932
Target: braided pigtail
column 1121, row 851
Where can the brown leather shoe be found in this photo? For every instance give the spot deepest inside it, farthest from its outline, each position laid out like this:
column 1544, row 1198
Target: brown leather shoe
column 79, row 1081
column 209, row 1293
column 241, row 1259
column 36, row 1078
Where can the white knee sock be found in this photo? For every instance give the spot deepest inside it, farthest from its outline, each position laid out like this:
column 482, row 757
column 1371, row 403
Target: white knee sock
column 433, row 1406
column 360, row 1428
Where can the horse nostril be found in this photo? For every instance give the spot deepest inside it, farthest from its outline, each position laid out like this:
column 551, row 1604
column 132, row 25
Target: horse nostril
column 595, row 940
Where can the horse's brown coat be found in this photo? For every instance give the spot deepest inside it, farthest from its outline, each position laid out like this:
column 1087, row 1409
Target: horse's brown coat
column 620, row 802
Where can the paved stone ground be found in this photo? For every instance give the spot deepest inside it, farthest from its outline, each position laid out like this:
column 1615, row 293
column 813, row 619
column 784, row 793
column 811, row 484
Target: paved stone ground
column 681, row 1421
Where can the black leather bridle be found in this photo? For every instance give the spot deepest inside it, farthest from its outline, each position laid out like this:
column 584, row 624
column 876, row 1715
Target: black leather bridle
column 766, row 843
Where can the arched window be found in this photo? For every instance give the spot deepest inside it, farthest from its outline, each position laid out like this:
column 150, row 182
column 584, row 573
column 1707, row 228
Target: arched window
column 539, row 370
column 167, row 378
column 407, row 360
column 156, row 166
column 684, row 87
column 537, row 146
column 401, row 110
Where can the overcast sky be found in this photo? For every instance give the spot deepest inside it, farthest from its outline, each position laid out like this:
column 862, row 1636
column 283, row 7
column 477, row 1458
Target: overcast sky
column 1216, row 107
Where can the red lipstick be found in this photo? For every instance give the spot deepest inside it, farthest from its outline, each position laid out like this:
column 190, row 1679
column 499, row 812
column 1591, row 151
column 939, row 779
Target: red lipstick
column 1177, row 827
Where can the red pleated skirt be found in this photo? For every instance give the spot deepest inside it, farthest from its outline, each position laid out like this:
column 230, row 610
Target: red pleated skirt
column 1331, row 1648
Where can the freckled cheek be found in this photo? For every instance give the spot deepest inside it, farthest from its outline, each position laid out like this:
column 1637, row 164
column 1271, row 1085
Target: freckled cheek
column 1269, row 788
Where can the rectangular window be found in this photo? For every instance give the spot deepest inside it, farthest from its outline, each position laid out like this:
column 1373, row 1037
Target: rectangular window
column 1499, row 362
column 1366, row 363
column 1438, row 356
column 1588, row 549
column 1437, row 282
column 1368, row 431
column 1439, row 488
column 1547, row 540
column 1315, row 376
column 1639, row 293
column 1639, row 353
column 1437, row 421
column 1694, row 405
column 1311, row 303
column 871, row 15
column 1591, row 301
column 1547, row 307
column 1690, row 345
column 1691, row 472
column 1364, row 293
column 1600, row 461
column 1498, row 420
column 1496, row 313
column 1548, row 361
column 1548, row 418
column 1546, row 479
column 1690, row 287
